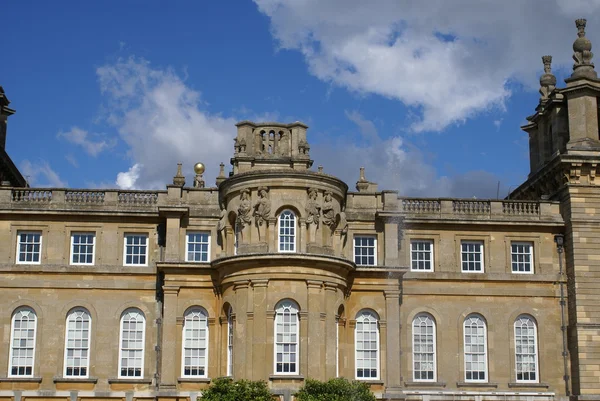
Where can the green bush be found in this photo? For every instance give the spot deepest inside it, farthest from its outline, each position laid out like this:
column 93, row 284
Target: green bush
column 335, row 390
column 225, row 389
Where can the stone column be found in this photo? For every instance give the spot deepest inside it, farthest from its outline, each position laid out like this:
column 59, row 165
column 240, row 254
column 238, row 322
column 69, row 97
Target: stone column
column 168, row 366
column 315, row 334
column 259, row 337
column 393, row 378
column 301, row 239
column 390, row 251
column 272, row 235
column 240, row 357
column 304, row 366
column 331, row 337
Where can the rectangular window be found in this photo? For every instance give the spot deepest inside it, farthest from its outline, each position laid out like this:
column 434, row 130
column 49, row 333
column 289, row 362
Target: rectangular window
column 136, row 250
column 365, row 250
column 472, row 256
column 82, row 248
column 421, row 255
column 29, row 247
column 522, row 257
column 198, row 247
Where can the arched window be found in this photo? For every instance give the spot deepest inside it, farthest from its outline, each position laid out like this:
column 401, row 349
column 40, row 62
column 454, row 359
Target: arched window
column 77, row 343
column 287, row 231
column 526, row 352
column 131, row 348
column 22, row 343
column 475, row 336
column 424, row 348
column 367, row 345
column 286, row 338
column 195, row 343
column 230, row 342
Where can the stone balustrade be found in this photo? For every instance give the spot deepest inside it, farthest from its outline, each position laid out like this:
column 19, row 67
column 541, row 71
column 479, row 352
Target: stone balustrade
column 479, row 209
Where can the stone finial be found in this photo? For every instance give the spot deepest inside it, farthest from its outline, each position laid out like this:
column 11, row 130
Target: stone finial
column 221, row 177
column 179, row 179
column 198, row 179
column 582, row 54
column 320, row 169
column 362, row 184
column 547, row 80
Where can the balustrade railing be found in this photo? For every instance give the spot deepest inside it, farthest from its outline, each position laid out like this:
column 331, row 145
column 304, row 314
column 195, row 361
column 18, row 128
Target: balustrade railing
column 521, row 208
column 31, row 195
column 471, row 207
column 138, row 198
column 421, row 205
column 93, row 197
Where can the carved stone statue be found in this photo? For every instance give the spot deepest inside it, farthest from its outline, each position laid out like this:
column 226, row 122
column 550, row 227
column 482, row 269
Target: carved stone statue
column 328, row 210
column 313, row 214
column 262, row 211
column 222, row 220
column 244, row 218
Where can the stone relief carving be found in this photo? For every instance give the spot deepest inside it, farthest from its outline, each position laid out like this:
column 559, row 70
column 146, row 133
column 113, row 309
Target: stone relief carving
column 328, row 210
column 244, row 218
column 262, row 211
column 313, row 214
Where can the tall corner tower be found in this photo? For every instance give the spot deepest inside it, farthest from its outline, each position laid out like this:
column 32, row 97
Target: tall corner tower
column 564, row 149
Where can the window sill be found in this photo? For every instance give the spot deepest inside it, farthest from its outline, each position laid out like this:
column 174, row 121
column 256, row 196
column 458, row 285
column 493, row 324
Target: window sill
column 127, row 380
column 528, row 385
column 368, row 381
column 194, row 379
column 425, row 384
column 286, row 377
column 21, row 379
column 476, row 384
column 93, row 380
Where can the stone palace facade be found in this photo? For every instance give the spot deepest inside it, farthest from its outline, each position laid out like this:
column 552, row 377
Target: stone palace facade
column 282, row 273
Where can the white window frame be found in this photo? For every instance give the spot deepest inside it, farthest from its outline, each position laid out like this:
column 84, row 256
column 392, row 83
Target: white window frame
column 125, row 245
column 531, row 337
column 481, row 256
column 188, row 243
column 188, row 318
column 88, row 348
column 230, row 342
column 281, row 237
column 29, row 348
column 19, row 243
column 72, row 253
column 417, row 260
column 419, row 321
column 468, row 320
column 513, row 254
column 281, row 309
column 360, row 319
column 355, row 246
column 135, row 350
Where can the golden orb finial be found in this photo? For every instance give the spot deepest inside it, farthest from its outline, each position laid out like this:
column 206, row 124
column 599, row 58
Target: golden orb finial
column 199, row 168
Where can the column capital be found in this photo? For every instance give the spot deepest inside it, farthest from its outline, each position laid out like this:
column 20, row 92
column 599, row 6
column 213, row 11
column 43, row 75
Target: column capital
column 314, row 284
column 171, row 289
column 330, row 286
column 238, row 285
column 391, row 294
column 179, row 320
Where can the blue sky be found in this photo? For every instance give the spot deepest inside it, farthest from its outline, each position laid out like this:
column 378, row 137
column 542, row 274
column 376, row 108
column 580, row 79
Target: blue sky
column 429, row 99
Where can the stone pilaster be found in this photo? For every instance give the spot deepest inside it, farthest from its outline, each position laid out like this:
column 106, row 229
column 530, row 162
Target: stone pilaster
column 240, row 340
column 315, row 334
column 169, row 351
column 259, row 337
column 331, row 331
column 393, row 377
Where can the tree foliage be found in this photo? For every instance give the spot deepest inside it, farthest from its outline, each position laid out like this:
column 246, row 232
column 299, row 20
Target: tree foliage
column 225, row 389
column 338, row 389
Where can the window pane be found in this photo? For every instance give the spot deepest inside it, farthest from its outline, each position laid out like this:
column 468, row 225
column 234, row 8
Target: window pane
column 195, row 340
column 286, row 337
column 136, row 249
column 77, row 340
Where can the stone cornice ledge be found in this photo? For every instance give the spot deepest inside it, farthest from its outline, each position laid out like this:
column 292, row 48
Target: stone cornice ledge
column 21, row 379
column 92, row 380
column 126, row 380
column 476, row 384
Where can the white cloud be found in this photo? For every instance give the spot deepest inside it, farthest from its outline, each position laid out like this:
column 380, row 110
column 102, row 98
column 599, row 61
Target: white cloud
column 128, row 179
column 449, row 60
column 82, row 138
column 396, row 165
column 40, row 174
column 161, row 120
